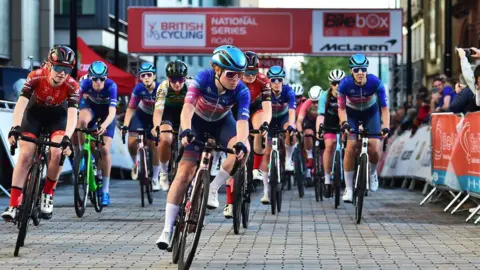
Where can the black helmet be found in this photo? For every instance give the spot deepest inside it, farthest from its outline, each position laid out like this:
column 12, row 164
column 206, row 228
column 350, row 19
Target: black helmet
column 176, row 68
column 252, row 60
column 62, row 55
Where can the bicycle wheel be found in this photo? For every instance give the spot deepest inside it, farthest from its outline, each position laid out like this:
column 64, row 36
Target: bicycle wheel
column 194, row 223
column 142, row 174
column 337, row 175
column 238, row 193
column 274, row 181
column 80, row 184
column 98, row 195
column 299, row 173
column 360, row 189
column 177, row 234
column 246, row 202
column 32, row 182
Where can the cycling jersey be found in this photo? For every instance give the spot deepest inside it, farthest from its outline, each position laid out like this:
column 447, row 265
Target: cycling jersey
column 143, row 99
column 108, row 95
column 167, row 97
column 309, row 111
column 363, row 97
column 38, row 85
column 328, row 107
column 284, row 102
column 260, row 91
column 212, row 106
column 299, row 105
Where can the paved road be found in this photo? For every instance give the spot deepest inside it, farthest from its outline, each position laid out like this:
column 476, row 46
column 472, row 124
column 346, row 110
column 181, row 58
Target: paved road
column 396, row 234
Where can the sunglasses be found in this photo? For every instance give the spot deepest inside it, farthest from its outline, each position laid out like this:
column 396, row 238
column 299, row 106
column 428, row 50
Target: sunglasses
column 357, row 69
column 96, row 79
column 334, row 83
column 251, row 72
column 60, row 69
column 146, row 75
column 276, row 80
column 233, row 75
column 177, row 79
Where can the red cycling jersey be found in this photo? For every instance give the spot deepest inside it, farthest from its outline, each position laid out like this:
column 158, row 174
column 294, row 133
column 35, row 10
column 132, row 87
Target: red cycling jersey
column 38, row 83
column 261, row 86
column 299, row 105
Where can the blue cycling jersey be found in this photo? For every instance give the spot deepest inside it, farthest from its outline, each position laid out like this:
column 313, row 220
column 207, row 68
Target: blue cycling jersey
column 284, row 102
column 143, row 99
column 212, row 106
column 108, row 95
column 361, row 97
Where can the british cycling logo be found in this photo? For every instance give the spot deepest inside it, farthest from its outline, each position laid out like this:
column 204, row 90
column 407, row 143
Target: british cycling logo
column 359, row 47
column 174, row 30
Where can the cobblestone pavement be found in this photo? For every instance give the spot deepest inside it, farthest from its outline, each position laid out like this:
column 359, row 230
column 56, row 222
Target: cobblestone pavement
column 396, row 234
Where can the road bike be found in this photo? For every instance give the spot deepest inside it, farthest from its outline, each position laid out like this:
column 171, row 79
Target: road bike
column 275, row 172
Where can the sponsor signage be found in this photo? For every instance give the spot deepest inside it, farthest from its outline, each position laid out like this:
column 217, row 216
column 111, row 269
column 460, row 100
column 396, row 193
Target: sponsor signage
column 268, row 62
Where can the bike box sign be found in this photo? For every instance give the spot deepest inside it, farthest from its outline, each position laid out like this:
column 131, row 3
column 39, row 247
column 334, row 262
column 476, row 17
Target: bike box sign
column 357, row 31
column 200, row 30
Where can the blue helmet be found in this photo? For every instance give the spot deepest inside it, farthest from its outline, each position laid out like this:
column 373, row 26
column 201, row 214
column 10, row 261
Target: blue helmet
column 146, row 67
column 230, row 58
column 276, row 72
column 98, row 68
column 358, row 60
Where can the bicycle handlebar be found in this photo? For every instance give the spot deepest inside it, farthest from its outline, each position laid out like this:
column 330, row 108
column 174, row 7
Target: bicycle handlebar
column 364, row 134
column 38, row 143
column 258, row 131
column 92, row 132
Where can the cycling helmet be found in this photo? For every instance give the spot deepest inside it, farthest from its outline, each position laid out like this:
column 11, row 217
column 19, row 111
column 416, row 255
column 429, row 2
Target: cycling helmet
column 176, row 68
column 298, row 89
column 62, row 55
column 230, row 58
column 252, row 60
column 98, row 68
column 146, row 67
column 358, row 60
column 336, row 75
column 314, row 92
column 276, row 72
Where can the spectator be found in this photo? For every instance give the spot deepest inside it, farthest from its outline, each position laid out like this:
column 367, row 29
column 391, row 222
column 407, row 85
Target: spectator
column 472, row 78
column 442, row 95
column 423, row 108
column 464, row 98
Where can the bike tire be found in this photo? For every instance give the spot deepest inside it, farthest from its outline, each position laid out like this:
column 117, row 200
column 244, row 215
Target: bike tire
column 360, row 190
column 32, row 181
column 279, row 199
column 246, row 203
column 238, row 192
column 142, row 174
column 274, row 182
column 337, row 175
column 200, row 200
column 177, row 234
column 299, row 173
column 80, row 180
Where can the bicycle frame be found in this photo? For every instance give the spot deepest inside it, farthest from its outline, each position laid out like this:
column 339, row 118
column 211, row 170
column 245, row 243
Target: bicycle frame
column 276, row 150
column 338, row 149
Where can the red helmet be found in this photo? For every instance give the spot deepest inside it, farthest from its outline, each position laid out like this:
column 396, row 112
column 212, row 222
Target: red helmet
column 252, row 60
column 62, row 55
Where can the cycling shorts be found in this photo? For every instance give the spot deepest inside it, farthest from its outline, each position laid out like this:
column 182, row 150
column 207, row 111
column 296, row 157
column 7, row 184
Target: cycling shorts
column 171, row 117
column 277, row 123
column 222, row 131
column 309, row 124
column 142, row 120
column 98, row 111
column 38, row 118
column 370, row 119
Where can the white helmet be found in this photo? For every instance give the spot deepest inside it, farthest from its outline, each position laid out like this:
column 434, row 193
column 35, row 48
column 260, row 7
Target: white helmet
column 298, row 89
column 314, row 93
column 336, row 75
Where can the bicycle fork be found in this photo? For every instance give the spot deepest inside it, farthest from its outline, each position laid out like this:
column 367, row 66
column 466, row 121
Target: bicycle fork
column 274, row 149
column 364, row 152
column 204, row 164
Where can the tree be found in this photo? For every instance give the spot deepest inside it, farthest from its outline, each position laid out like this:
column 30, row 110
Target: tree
column 315, row 70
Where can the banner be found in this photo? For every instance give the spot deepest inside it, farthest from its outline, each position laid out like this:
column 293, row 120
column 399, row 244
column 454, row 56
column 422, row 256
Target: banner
column 421, row 162
column 406, row 155
column 267, row 62
column 119, row 152
column 394, row 153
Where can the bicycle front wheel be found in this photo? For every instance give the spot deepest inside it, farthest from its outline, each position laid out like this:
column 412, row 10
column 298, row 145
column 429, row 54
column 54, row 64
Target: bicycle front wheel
column 337, row 175
column 238, row 193
column 247, row 189
column 299, row 173
column 274, row 181
column 195, row 217
column 80, row 184
column 361, row 186
column 142, row 173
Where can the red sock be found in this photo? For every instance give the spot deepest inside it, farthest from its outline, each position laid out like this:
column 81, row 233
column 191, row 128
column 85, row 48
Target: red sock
column 15, row 194
column 229, row 194
column 49, row 187
column 257, row 161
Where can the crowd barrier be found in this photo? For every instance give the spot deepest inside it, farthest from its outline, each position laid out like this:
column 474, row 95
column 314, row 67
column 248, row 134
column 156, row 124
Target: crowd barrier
column 446, row 154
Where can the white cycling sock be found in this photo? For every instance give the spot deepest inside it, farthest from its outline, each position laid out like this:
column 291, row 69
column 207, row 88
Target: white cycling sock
column 327, row 179
column 288, row 152
column 308, row 173
column 156, row 171
column 373, row 168
column 106, row 184
column 163, row 167
column 309, row 153
column 220, row 179
column 266, row 187
column 171, row 212
column 349, row 179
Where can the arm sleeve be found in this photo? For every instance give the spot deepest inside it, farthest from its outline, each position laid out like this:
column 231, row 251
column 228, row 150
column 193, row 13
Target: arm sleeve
column 322, row 103
column 381, row 93
column 29, row 85
column 73, row 94
column 266, row 91
column 304, row 107
column 342, row 97
column 193, row 93
column 134, row 99
column 291, row 99
column 468, row 74
column 243, row 102
column 113, row 95
column 161, row 94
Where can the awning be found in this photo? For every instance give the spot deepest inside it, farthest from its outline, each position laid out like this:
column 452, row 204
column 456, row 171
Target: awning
column 86, row 56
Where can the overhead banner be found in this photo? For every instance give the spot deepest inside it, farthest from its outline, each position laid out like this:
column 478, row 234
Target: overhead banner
column 270, row 62
column 264, row 30
column 357, row 31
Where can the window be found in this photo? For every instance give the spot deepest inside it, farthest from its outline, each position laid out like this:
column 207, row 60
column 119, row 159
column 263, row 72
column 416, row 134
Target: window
column 200, row 61
column 87, row 7
column 84, row 7
column 190, row 2
column 200, row 3
column 190, row 60
column 167, row 58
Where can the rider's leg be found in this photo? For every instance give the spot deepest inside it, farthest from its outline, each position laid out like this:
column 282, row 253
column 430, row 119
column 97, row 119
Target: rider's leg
column 53, row 173
column 373, row 126
column 289, row 147
column 349, row 167
column 266, row 188
column 84, row 117
column 258, row 151
column 330, row 142
column 164, row 150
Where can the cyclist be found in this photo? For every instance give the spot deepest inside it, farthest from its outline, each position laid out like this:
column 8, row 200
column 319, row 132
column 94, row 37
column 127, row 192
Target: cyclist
column 207, row 108
column 168, row 106
column 48, row 102
column 140, row 114
column 306, row 119
column 260, row 107
column 283, row 116
column 299, row 98
column 100, row 102
column 328, row 116
column 357, row 100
